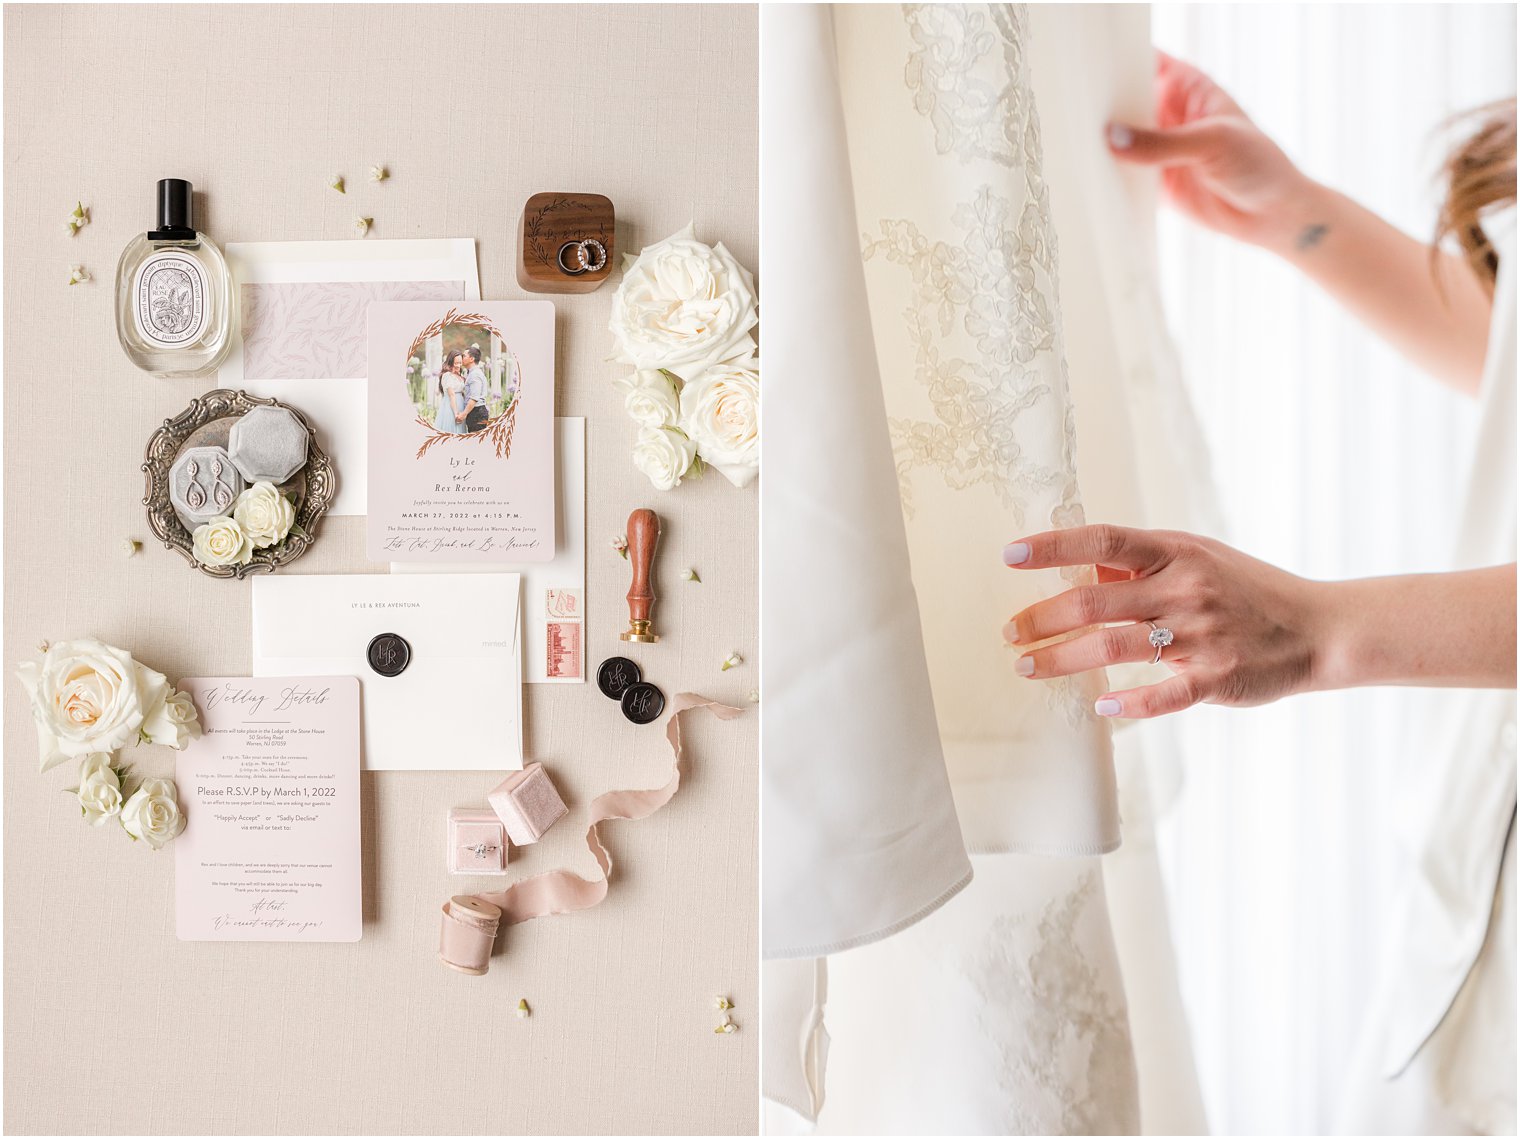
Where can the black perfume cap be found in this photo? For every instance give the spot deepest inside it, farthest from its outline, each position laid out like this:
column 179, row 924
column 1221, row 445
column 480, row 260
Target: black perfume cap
column 176, row 214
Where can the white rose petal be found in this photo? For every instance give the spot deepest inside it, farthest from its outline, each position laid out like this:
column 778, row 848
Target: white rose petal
column 683, row 305
column 86, row 697
column 650, row 398
column 99, row 789
column 264, row 514
column 664, row 455
column 173, row 722
column 152, row 813
column 221, row 542
column 720, row 412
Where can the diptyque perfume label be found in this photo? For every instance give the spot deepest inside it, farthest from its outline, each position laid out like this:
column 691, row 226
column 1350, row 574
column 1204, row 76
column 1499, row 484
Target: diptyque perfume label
column 170, row 306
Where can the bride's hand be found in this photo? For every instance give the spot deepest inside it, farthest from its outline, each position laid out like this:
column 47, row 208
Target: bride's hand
column 1245, row 632
column 1216, row 165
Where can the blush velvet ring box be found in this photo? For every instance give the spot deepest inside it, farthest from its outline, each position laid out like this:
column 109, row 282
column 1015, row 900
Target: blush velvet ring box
column 527, row 803
column 477, row 842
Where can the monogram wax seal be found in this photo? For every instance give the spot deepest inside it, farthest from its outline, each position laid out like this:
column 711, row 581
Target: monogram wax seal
column 616, row 675
column 389, row 654
column 643, row 702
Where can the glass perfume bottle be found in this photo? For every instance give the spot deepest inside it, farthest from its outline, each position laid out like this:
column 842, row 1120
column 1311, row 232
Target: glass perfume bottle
column 174, row 293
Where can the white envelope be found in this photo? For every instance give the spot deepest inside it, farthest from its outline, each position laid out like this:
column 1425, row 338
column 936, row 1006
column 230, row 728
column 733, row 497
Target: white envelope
column 338, row 405
column 565, row 575
column 458, row 704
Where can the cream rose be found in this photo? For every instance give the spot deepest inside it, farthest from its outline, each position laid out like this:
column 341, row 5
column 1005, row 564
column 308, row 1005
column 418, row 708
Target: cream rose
column 87, row 697
column 221, row 542
column 173, row 721
column 664, row 455
column 265, row 515
column 650, row 398
column 720, row 411
column 683, row 305
column 99, row 789
column 152, row 813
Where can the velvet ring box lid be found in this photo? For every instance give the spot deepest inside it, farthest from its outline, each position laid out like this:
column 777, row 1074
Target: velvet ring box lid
column 477, row 842
column 528, row 804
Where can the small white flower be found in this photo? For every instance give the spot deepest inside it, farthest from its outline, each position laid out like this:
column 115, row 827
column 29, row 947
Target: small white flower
column 378, row 173
column 337, row 183
column 173, row 721
column 129, row 547
column 361, row 225
column 727, row 1027
column 152, row 813
column 221, row 542
column 265, row 515
column 754, row 695
column 733, row 660
column 78, row 219
column 99, row 790
column 722, row 1002
column 78, row 275
column 620, row 544
column 664, row 456
column 523, row 1011
column 690, row 575
column 71, row 227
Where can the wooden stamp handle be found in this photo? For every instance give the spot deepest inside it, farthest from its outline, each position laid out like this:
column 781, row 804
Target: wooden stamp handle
column 643, row 533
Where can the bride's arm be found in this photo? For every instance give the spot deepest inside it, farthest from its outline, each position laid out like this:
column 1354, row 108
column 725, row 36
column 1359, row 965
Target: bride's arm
column 1221, row 170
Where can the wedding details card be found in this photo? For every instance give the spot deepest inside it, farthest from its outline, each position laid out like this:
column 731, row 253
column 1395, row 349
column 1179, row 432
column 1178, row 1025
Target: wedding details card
column 270, row 791
column 438, row 656
column 461, row 432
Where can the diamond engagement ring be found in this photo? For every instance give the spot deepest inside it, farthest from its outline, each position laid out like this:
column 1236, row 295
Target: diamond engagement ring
column 480, row 849
column 1160, row 637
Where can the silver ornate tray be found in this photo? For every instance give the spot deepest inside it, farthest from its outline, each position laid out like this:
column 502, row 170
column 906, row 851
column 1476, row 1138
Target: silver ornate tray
column 206, row 423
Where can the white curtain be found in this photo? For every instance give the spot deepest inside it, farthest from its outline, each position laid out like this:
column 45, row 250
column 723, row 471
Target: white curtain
column 1333, row 458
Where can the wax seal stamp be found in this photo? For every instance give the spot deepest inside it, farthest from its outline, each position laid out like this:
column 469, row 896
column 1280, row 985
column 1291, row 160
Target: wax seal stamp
column 643, row 534
column 389, row 654
column 616, row 675
column 643, row 702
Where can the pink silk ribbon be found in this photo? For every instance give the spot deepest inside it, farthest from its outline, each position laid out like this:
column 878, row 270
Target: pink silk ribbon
column 465, row 941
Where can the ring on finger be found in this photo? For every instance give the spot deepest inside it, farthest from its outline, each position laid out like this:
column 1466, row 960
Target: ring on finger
column 1160, row 636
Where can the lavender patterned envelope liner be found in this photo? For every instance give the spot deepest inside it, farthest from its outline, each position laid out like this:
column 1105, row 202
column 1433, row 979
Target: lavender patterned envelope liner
column 315, row 330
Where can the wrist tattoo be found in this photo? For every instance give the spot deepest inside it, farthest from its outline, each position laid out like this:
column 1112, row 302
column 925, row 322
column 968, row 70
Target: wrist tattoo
column 1310, row 236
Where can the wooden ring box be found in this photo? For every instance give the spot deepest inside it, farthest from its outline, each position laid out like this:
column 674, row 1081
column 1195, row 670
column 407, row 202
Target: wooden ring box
column 550, row 220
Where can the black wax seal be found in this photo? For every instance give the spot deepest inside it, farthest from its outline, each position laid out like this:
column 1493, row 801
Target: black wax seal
column 389, row 654
column 643, row 702
column 615, row 675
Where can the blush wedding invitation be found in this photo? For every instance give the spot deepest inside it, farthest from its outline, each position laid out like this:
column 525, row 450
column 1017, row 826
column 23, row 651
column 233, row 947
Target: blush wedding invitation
column 461, row 432
column 303, row 324
column 455, row 702
column 270, row 791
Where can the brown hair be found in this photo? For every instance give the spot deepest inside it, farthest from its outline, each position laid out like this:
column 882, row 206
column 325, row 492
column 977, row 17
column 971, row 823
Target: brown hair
column 1479, row 172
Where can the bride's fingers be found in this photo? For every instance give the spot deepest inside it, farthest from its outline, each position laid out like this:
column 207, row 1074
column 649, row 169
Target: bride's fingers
column 1118, row 644
column 1082, row 606
column 1173, row 695
column 1117, row 546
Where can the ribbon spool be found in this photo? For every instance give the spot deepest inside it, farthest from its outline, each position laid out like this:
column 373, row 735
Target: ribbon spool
column 468, row 933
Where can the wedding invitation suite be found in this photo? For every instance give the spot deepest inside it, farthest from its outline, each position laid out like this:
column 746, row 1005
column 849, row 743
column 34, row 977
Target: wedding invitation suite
column 303, row 325
column 554, row 593
column 270, row 792
column 438, row 657
column 461, row 432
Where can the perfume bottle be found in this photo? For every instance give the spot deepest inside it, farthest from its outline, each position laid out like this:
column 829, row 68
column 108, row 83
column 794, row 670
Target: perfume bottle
column 174, row 293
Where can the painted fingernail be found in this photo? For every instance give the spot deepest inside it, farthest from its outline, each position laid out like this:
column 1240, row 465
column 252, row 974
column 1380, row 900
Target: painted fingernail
column 1107, row 707
column 1024, row 666
column 1120, row 137
column 1011, row 633
column 1015, row 553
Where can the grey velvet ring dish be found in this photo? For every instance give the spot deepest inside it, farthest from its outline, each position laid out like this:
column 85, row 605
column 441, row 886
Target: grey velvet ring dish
column 198, row 463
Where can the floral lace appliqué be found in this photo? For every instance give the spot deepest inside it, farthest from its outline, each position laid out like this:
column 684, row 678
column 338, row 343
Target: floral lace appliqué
column 973, row 115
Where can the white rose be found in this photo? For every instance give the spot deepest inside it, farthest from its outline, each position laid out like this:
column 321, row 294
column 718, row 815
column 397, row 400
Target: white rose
column 173, row 722
column 664, row 455
column 265, row 515
column 152, row 813
column 720, row 411
column 221, row 542
column 87, row 697
column 99, row 789
column 683, row 305
column 650, row 398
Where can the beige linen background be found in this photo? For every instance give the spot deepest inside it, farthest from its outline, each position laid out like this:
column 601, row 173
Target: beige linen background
column 111, row 1024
